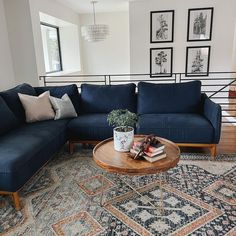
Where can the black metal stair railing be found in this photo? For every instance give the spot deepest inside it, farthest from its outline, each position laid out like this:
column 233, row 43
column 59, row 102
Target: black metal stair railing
column 216, row 85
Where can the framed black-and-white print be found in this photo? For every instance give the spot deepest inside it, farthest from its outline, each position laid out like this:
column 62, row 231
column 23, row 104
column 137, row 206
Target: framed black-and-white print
column 161, row 62
column 197, row 61
column 200, row 24
column 162, row 26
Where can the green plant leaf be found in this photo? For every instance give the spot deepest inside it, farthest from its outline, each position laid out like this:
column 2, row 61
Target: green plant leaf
column 122, row 117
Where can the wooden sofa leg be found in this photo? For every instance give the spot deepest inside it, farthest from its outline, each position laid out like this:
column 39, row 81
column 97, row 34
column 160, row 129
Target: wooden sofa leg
column 213, row 152
column 16, row 200
column 71, row 147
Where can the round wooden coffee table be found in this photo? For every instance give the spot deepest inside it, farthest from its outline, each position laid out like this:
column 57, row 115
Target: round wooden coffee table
column 112, row 161
column 107, row 158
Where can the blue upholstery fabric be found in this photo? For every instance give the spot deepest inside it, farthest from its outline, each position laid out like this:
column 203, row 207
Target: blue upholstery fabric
column 12, row 99
column 169, row 98
column 59, row 91
column 24, row 150
column 212, row 112
column 177, row 112
column 105, row 98
column 181, row 128
column 90, row 127
column 8, row 119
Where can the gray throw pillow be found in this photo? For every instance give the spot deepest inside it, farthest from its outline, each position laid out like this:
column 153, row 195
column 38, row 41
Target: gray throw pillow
column 63, row 107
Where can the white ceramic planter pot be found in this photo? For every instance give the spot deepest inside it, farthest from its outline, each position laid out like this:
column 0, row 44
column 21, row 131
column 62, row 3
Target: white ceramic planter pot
column 123, row 140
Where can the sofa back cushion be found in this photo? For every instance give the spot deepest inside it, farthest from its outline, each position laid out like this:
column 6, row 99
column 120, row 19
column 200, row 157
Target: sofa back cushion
column 12, row 99
column 169, row 98
column 59, row 91
column 8, row 119
column 105, row 98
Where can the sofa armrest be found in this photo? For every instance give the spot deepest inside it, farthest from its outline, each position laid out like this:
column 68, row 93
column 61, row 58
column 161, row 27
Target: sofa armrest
column 212, row 112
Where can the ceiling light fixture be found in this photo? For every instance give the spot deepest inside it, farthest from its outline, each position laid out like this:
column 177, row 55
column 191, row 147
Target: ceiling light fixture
column 95, row 32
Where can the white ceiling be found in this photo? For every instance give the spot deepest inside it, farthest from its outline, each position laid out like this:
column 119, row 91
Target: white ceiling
column 85, row 6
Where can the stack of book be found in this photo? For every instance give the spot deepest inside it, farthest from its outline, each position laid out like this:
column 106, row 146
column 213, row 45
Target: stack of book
column 153, row 152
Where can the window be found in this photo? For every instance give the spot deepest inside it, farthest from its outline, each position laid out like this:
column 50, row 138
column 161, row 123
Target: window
column 51, row 48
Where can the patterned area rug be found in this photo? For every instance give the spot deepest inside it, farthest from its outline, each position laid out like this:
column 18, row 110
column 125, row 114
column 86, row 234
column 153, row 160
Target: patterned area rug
column 63, row 199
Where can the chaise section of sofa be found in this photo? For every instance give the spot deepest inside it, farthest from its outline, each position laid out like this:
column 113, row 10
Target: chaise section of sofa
column 26, row 147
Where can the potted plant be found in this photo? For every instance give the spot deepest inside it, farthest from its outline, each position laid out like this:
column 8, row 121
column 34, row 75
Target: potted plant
column 123, row 122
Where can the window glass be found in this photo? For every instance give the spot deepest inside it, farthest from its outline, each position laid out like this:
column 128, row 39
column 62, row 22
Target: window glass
column 51, row 48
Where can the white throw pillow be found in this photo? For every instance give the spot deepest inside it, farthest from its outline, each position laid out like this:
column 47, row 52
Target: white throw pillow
column 63, row 107
column 37, row 108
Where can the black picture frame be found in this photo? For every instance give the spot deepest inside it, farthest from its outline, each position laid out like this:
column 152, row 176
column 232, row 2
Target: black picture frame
column 153, row 26
column 199, row 57
column 200, row 31
column 164, row 70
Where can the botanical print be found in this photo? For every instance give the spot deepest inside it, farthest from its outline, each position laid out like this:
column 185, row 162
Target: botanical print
column 162, row 26
column 161, row 62
column 200, row 24
column 162, row 31
column 197, row 61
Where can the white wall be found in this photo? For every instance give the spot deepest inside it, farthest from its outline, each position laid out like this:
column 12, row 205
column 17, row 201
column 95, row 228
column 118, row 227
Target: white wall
column 69, row 42
column 7, row 78
column 52, row 8
column 70, row 48
column 112, row 55
column 21, row 41
column 222, row 35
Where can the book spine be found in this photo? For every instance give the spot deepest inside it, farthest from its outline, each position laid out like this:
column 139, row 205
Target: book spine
column 150, row 148
column 150, row 159
column 152, row 154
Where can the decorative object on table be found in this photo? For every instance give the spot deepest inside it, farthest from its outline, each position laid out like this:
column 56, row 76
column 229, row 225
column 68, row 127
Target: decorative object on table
column 161, row 62
column 162, row 26
column 197, row 61
column 200, row 24
column 149, row 148
column 123, row 121
column 95, row 32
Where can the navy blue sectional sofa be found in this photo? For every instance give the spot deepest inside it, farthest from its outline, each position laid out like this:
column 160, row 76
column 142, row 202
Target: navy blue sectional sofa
column 178, row 112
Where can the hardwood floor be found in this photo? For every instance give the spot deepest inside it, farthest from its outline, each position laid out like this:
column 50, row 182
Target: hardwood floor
column 228, row 139
column 228, row 133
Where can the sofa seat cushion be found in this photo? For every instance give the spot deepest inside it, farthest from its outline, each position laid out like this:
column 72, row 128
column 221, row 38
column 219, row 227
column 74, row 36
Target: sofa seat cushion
column 105, row 98
column 8, row 119
column 180, row 128
column 12, row 99
column 90, row 127
column 24, row 150
column 169, row 98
